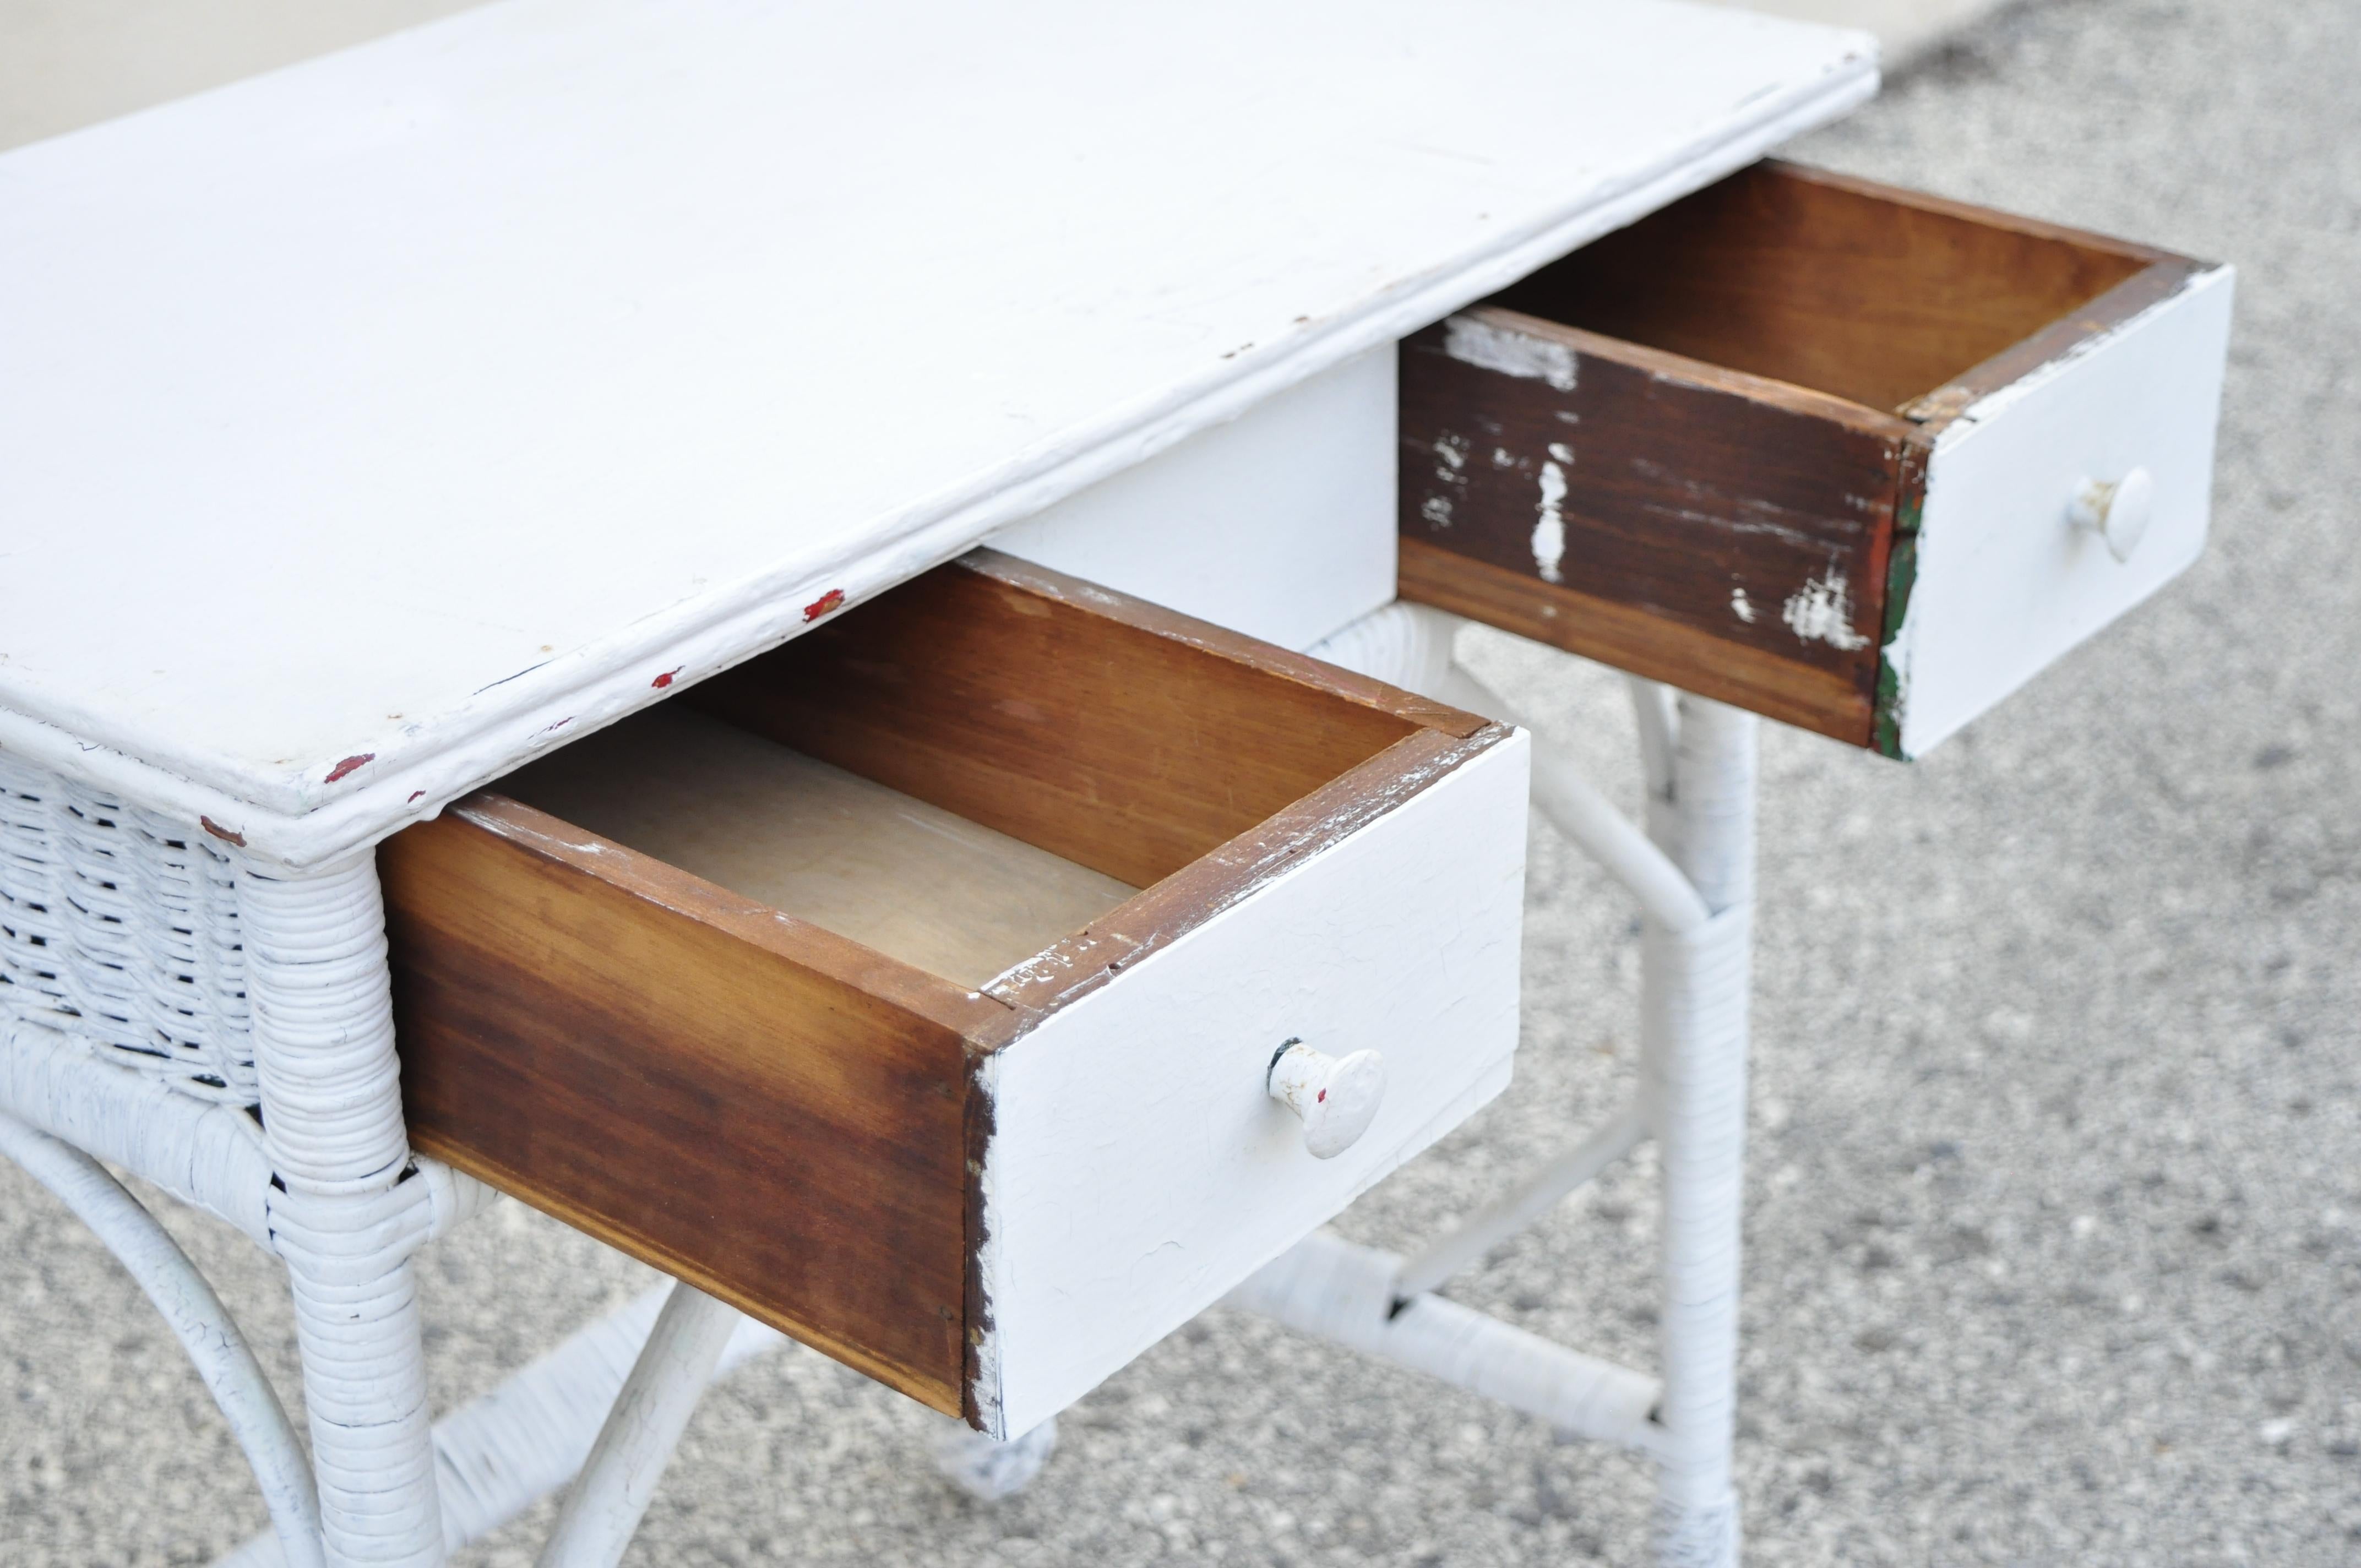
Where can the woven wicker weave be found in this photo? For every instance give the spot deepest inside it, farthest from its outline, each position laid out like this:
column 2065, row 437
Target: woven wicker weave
column 121, row 929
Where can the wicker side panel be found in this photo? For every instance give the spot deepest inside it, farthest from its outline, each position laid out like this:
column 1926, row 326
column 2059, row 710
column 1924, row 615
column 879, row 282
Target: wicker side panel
column 122, row 930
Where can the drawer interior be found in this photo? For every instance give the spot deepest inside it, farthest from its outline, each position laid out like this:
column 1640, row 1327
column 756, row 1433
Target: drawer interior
column 913, row 881
column 1868, row 293
column 961, row 772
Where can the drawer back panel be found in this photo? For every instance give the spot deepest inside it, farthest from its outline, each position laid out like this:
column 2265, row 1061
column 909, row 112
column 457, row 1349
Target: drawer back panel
column 1117, row 745
column 1813, row 279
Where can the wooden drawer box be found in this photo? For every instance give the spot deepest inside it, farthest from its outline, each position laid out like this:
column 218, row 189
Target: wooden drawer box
column 914, row 986
column 1856, row 458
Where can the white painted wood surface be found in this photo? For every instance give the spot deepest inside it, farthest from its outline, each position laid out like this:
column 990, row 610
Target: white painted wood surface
column 1281, row 524
column 372, row 423
column 2006, row 581
column 1137, row 1168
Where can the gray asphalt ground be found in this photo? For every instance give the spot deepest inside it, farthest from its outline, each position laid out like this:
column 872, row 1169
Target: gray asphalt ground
column 2054, row 1227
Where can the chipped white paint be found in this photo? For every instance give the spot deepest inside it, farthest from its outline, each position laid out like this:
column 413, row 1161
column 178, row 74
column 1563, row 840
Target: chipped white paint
column 1561, row 452
column 1137, row 1169
column 1450, row 469
column 1821, row 611
column 2005, row 583
column 1474, row 341
column 1740, row 606
column 1549, row 525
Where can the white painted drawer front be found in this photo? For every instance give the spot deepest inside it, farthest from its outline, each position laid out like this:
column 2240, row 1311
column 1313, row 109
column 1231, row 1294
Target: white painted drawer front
column 2005, row 582
column 1137, row 1170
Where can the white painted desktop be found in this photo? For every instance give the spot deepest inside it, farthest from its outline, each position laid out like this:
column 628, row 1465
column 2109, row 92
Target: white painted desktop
column 427, row 400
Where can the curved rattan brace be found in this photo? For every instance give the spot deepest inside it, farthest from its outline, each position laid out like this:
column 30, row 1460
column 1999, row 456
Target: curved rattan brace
column 197, row 1318
column 502, row 1453
column 603, row 1509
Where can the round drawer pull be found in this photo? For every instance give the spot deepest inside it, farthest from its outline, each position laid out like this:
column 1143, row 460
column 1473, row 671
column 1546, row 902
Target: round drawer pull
column 1334, row 1097
column 2116, row 511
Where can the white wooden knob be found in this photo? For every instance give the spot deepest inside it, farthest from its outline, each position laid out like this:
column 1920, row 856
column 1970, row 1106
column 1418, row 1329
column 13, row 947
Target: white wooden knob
column 2116, row 511
column 1334, row 1097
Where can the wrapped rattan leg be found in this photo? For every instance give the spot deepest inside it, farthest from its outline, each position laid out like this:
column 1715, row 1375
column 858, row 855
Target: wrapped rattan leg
column 1693, row 1019
column 315, row 954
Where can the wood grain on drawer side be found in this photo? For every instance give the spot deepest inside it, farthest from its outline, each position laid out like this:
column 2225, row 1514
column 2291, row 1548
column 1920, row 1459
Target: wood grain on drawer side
column 1652, row 512
column 748, row 1102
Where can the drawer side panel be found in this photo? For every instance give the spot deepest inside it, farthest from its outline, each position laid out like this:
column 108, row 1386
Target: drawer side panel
column 1108, row 731
column 785, row 1139
column 1654, row 512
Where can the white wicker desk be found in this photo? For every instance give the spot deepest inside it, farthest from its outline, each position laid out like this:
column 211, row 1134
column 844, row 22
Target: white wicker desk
column 379, row 424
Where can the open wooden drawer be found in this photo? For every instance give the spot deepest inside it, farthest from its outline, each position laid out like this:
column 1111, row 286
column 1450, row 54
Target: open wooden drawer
column 914, row 986
column 1857, row 458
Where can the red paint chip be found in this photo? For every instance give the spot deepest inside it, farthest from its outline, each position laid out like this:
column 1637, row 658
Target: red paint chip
column 348, row 764
column 1323, row 1097
column 822, row 604
column 218, row 832
column 413, row 795
column 665, row 679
